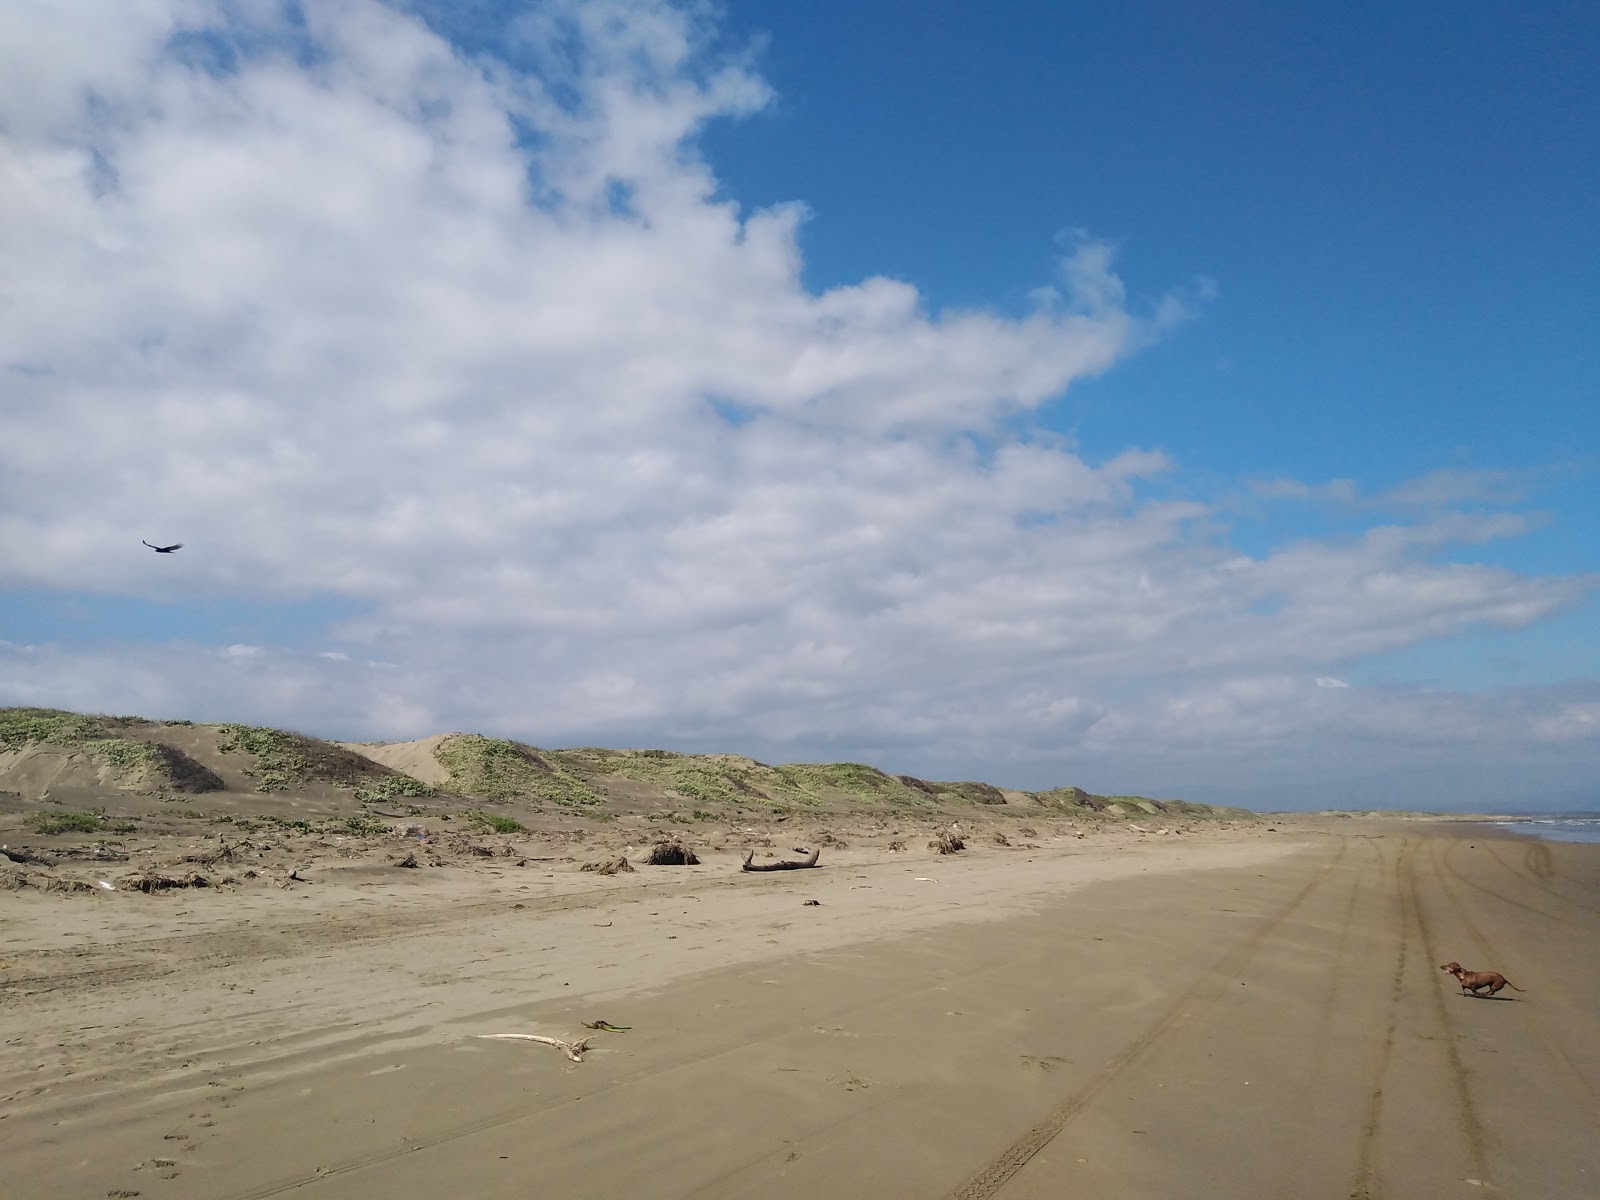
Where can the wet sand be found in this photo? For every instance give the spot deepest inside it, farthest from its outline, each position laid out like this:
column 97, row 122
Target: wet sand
column 1228, row 1014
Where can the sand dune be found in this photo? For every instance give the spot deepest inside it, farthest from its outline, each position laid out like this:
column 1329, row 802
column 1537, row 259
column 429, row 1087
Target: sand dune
column 413, row 758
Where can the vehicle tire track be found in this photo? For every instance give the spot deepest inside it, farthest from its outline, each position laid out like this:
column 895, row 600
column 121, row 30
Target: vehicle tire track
column 523, row 1112
column 1513, row 901
column 1200, row 996
column 1577, row 1082
column 1470, row 1123
column 1338, row 975
column 1363, row 1185
column 1539, row 870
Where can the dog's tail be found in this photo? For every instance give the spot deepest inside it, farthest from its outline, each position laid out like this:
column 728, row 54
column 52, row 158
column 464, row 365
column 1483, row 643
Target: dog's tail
column 1514, row 987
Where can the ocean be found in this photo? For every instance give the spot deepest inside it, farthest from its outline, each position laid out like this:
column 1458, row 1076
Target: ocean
column 1557, row 827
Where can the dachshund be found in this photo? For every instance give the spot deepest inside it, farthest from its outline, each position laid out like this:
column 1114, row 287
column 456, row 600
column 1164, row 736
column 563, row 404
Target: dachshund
column 1471, row 981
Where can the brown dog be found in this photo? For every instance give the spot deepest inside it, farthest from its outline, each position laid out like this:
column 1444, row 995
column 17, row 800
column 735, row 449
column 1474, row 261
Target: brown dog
column 1471, row 981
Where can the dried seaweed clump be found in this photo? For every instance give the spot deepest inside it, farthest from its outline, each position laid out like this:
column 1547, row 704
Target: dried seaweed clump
column 672, row 854
column 947, row 843
column 611, row 866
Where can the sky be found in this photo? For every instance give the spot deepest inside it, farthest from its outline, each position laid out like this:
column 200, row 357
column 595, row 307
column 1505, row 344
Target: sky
column 1189, row 399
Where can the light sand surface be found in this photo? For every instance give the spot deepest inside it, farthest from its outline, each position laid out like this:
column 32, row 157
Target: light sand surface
column 414, row 758
column 1230, row 1014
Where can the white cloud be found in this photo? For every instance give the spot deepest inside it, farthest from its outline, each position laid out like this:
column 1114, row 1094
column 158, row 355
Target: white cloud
column 1330, row 681
column 1570, row 723
column 485, row 354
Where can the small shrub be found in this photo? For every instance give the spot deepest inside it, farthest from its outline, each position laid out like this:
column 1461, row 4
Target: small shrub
column 66, row 822
column 495, row 823
column 390, row 786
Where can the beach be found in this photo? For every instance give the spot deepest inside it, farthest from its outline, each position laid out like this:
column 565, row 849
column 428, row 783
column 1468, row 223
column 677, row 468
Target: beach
column 1228, row 1012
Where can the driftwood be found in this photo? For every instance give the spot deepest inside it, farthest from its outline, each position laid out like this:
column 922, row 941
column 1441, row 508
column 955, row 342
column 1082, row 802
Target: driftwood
column 750, row 865
column 27, row 856
column 573, row 1050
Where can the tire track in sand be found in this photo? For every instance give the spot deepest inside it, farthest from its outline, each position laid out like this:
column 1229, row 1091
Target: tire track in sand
column 1577, row 1083
column 1340, row 976
column 1538, row 869
column 1469, row 1123
column 1363, row 1185
column 523, row 1112
column 1200, row 996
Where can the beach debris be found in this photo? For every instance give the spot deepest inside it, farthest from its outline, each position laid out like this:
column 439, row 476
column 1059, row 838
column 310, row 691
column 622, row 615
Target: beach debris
column 782, row 865
column 947, row 843
column 573, row 1050
column 811, row 903
column 1028, row 831
column 25, row 856
column 605, row 1026
column 1001, row 839
column 895, row 847
column 924, row 879
column 672, row 854
column 610, row 866
column 151, row 881
column 410, row 860
column 110, row 887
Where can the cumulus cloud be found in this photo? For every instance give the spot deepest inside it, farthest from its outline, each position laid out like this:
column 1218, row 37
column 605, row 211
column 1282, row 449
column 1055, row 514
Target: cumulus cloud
column 479, row 348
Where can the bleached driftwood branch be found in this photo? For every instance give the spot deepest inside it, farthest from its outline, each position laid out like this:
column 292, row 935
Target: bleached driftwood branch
column 573, row 1050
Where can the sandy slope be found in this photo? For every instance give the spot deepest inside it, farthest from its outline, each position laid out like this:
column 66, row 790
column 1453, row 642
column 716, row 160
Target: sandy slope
column 1224, row 1015
column 414, row 758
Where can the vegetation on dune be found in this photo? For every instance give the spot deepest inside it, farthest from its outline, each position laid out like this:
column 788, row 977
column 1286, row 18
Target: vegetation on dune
column 856, row 781
column 725, row 779
column 285, row 760
column 21, row 727
column 132, row 762
column 494, row 822
column 391, row 787
column 500, row 769
column 77, row 822
column 281, row 758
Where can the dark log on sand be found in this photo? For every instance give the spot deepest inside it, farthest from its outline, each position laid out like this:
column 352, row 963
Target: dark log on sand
column 778, row 866
column 27, row 856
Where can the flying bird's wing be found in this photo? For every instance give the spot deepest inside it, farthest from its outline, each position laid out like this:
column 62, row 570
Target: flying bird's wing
column 174, row 546
column 142, row 541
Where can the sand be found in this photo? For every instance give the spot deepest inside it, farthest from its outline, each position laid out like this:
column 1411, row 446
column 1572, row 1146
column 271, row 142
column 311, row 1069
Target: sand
column 414, row 758
column 1228, row 1013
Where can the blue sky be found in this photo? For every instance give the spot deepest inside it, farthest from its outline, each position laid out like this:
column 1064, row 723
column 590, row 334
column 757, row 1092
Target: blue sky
column 1396, row 201
column 1156, row 398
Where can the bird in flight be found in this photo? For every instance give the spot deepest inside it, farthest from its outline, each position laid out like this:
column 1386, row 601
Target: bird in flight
column 164, row 549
